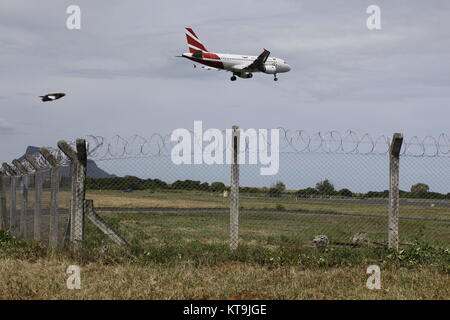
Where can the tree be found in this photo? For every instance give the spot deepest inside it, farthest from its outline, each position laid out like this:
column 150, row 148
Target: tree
column 132, row 182
column 325, row 187
column 378, row 194
column 345, row 193
column 217, row 187
column 279, row 185
column 204, row 186
column 277, row 189
column 308, row 192
column 420, row 189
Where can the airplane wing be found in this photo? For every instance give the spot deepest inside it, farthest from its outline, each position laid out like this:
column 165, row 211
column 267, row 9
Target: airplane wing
column 258, row 64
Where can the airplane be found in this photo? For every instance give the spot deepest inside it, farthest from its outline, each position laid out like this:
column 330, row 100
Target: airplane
column 242, row 66
column 52, row 97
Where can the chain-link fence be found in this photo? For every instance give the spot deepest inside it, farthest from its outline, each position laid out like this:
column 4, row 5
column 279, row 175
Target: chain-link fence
column 37, row 196
column 35, row 205
column 338, row 187
column 326, row 188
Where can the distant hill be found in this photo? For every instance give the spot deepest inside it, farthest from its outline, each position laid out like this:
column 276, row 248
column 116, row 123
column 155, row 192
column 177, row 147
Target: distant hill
column 93, row 170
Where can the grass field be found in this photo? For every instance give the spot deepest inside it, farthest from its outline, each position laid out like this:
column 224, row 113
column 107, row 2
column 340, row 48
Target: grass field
column 179, row 250
column 266, row 222
column 186, row 199
column 197, row 270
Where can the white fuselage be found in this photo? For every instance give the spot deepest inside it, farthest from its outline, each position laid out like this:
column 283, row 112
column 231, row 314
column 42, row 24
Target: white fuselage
column 236, row 63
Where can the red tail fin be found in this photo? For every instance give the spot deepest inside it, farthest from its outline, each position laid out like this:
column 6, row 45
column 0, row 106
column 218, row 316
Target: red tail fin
column 193, row 41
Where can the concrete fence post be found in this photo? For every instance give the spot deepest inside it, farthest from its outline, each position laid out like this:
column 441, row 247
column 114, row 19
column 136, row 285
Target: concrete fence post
column 12, row 198
column 234, row 190
column 80, row 184
column 394, row 195
column 4, row 224
column 38, row 184
column 78, row 170
column 102, row 225
column 24, row 184
column 54, row 194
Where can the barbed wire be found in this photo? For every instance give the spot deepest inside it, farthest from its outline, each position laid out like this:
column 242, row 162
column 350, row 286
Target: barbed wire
column 61, row 159
column 299, row 141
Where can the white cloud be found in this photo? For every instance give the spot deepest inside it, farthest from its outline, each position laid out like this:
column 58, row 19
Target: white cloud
column 5, row 126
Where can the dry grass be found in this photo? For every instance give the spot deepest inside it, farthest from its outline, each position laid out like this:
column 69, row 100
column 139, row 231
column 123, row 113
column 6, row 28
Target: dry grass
column 46, row 279
column 184, row 254
column 142, row 200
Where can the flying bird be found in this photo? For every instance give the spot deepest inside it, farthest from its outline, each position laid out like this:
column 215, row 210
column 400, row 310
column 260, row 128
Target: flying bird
column 52, row 97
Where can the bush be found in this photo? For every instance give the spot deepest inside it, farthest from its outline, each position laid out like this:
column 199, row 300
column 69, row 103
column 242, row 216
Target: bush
column 308, row 192
column 345, row 193
column 378, row 194
column 217, row 187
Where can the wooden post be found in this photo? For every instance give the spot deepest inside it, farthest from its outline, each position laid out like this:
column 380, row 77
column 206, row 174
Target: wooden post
column 54, row 182
column 23, row 198
column 12, row 198
column 79, row 163
column 38, row 182
column 234, row 190
column 394, row 195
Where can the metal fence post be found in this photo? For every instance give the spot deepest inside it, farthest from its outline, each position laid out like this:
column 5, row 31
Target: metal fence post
column 12, row 198
column 54, row 185
column 79, row 163
column 23, row 198
column 38, row 181
column 394, row 195
column 234, row 190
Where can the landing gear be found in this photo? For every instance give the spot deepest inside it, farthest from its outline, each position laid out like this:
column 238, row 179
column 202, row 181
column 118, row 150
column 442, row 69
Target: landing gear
column 233, row 78
column 275, row 77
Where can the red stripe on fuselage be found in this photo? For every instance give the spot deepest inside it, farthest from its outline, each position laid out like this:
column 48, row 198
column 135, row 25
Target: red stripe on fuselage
column 210, row 55
column 215, row 64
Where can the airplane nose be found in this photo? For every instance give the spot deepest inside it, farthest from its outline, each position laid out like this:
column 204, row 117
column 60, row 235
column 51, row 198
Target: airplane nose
column 288, row 68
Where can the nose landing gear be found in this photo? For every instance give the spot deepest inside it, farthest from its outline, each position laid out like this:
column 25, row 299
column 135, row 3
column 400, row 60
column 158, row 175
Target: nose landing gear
column 275, row 77
column 233, row 78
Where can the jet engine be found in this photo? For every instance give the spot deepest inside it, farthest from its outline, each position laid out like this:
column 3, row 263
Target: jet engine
column 245, row 75
column 270, row 69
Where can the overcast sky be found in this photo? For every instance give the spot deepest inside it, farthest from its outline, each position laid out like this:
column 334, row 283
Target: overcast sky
column 121, row 75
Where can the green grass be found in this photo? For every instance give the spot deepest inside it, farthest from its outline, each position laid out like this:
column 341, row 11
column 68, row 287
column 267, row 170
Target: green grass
column 277, row 225
column 195, row 270
column 215, row 254
column 262, row 228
